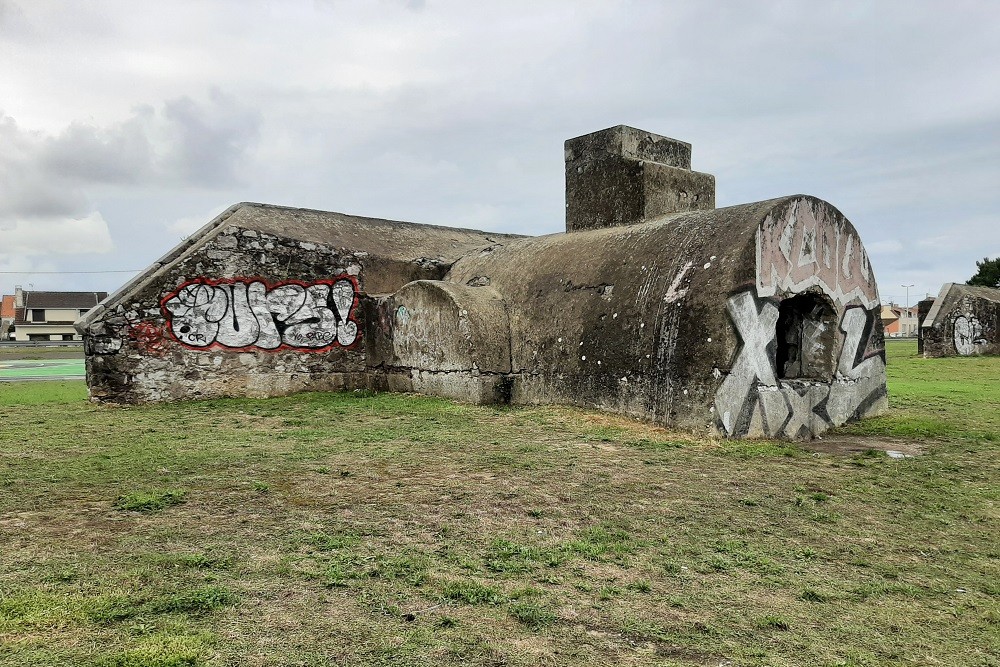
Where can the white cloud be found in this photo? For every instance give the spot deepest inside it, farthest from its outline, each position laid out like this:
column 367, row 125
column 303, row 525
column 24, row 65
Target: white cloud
column 186, row 142
column 188, row 225
column 455, row 112
column 121, row 153
column 886, row 247
column 45, row 179
column 57, row 236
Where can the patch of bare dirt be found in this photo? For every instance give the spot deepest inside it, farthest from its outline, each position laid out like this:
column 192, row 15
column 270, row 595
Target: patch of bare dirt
column 849, row 445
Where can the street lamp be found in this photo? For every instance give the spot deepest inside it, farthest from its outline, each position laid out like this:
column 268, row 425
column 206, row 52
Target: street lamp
column 907, row 294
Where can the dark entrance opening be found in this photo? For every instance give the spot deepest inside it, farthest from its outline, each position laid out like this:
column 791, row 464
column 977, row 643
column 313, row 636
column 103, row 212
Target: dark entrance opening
column 805, row 335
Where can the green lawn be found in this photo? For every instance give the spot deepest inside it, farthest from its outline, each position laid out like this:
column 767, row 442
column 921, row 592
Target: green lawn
column 956, row 397
column 47, row 369
column 351, row 529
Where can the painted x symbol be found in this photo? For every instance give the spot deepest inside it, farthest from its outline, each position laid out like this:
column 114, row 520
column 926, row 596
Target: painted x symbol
column 756, row 328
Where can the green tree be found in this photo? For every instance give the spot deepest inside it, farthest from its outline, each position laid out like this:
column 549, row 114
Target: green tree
column 988, row 274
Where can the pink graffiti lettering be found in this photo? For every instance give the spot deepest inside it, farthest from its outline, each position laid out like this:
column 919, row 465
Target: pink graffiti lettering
column 812, row 246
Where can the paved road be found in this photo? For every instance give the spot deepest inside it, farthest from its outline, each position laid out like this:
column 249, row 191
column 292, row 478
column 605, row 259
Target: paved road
column 42, row 369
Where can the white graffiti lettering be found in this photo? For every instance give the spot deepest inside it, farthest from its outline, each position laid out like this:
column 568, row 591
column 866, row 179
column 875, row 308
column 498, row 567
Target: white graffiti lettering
column 757, row 330
column 246, row 314
column 968, row 334
column 753, row 401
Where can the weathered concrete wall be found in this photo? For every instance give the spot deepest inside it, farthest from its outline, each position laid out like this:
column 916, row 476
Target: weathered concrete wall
column 622, row 175
column 442, row 338
column 923, row 310
column 964, row 321
column 246, row 311
column 676, row 320
column 753, row 320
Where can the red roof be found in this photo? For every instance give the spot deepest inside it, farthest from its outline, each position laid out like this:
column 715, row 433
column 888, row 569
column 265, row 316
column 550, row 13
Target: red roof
column 7, row 306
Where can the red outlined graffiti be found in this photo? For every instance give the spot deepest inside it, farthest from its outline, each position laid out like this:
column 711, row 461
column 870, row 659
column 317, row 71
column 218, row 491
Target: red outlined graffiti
column 251, row 314
column 148, row 338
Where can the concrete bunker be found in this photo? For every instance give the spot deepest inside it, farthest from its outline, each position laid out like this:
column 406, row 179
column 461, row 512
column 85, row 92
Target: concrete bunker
column 964, row 320
column 752, row 320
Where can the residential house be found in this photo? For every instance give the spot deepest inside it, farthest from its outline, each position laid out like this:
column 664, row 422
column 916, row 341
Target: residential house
column 889, row 318
column 905, row 324
column 50, row 315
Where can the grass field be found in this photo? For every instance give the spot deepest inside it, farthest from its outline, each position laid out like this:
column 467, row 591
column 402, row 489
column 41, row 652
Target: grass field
column 351, row 529
column 8, row 352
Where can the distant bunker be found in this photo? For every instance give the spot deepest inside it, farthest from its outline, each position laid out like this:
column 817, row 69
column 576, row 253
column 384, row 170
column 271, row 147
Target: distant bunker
column 964, row 320
column 756, row 320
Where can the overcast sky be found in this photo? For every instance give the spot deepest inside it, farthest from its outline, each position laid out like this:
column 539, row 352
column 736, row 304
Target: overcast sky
column 125, row 126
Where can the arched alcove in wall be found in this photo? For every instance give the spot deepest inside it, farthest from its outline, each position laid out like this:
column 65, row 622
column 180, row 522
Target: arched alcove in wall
column 805, row 337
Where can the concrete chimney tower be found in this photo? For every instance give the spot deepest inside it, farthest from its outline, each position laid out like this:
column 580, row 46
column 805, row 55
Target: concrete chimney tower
column 623, row 176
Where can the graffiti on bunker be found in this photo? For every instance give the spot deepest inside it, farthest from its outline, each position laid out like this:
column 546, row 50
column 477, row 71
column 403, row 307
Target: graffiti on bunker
column 814, row 280
column 808, row 246
column 248, row 314
column 753, row 400
column 779, row 339
column 968, row 334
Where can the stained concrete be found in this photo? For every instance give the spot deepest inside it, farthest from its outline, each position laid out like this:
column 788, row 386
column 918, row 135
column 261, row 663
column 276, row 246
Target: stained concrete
column 756, row 320
column 621, row 176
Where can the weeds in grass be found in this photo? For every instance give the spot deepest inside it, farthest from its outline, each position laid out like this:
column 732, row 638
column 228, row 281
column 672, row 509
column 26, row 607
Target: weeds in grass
column 158, row 651
column 813, row 595
column 337, row 574
column 327, row 542
column 738, row 555
column 195, row 601
column 640, row 586
column 531, row 614
column 655, row 445
column 513, row 558
column 113, row 609
column 200, row 561
column 608, row 593
column 471, row 592
column 410, row 568
column 603, row 540
column 644, row 630
column 773, row 622
column 148, row 501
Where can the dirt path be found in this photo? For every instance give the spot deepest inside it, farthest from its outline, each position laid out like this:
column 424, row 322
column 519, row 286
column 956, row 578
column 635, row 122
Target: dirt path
column 856, row 444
